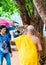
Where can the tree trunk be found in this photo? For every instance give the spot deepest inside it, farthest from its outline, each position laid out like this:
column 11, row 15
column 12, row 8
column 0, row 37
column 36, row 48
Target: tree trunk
column 41, row 10
column 34, row 20
column 37, row 22
column 24, row 14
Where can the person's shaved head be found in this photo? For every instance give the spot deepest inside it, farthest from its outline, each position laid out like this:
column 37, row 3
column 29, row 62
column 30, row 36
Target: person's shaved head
column 30, row 27
column 29, row 30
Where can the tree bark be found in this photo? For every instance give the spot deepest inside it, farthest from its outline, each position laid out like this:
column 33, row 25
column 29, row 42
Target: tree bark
column 24, row 14
column 41, row 10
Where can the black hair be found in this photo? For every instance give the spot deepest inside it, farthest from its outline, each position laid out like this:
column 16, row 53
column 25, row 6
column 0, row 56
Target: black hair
column 2, row 26
column 18, row 31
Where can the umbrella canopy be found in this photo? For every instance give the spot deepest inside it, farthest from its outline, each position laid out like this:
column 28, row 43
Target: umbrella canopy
column 10, row 28
column 6, row 22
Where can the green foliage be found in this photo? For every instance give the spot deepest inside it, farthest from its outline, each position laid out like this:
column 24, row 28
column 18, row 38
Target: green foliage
column 8, row 7
column 45, row 3
column 29, row 6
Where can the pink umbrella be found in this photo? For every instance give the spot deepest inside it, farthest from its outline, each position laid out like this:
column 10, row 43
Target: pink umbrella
column 6, row 22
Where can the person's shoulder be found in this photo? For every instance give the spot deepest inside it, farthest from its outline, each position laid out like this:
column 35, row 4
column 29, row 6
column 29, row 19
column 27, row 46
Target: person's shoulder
column 36, row 37
column 6, row 35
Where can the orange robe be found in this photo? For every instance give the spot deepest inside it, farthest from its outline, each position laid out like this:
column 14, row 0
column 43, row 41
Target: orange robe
column 27, row 50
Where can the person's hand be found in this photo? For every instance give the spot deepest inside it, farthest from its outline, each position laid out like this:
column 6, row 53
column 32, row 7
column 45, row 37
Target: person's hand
column 11, row 54
column 12, row 42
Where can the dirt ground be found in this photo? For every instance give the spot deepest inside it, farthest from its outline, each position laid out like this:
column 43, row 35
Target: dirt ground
column 14, row 59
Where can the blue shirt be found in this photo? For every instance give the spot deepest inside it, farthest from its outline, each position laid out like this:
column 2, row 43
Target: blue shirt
column 4, row 43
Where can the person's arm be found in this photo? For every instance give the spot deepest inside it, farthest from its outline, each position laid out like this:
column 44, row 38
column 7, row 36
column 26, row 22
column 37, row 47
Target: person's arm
column 8, row 42
column 10, row 50
column 39, row 47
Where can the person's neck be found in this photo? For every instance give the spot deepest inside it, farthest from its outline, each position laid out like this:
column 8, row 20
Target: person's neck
column 2, row 34
column 29, row 34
